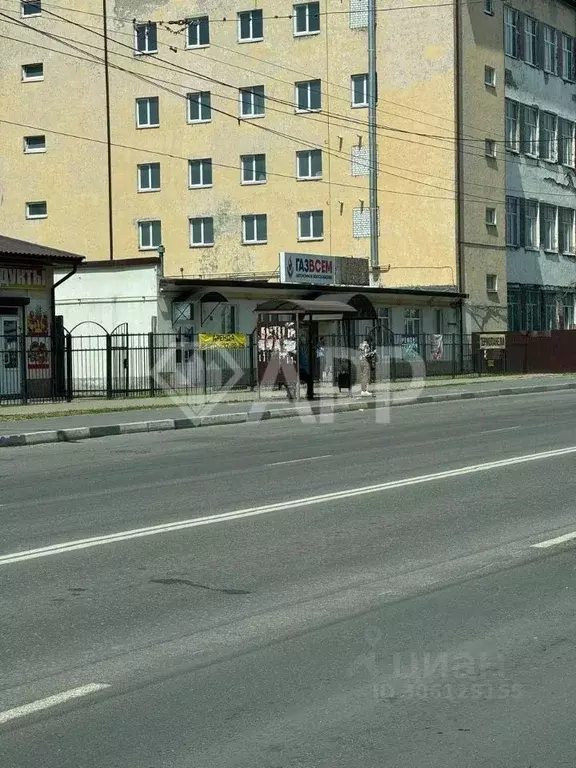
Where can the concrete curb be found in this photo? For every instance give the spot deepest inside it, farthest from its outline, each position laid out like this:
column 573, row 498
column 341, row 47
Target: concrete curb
column 74, row 434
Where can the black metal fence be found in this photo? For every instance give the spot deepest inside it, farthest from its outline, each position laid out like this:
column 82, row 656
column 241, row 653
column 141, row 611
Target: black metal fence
column 121, row 365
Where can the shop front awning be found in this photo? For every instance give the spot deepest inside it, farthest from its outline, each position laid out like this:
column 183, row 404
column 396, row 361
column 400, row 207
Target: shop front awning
column 304, row 307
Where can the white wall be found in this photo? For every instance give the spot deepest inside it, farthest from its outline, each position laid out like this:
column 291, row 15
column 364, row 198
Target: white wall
column 109, row 297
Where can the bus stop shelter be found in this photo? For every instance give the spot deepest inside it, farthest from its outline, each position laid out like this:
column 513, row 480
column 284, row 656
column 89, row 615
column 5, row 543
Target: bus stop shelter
column 284, row 339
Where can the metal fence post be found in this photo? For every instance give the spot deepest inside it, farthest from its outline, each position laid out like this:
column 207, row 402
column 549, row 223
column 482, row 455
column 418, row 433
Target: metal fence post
column 69, row 385
column 205, row 372
column 252, row 364
column 151, row 365
column 453, row 356
column 23, row 370
column 108, row 366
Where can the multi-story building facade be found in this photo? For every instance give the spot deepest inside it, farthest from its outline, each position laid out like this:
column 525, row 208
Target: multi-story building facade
column 232, row 133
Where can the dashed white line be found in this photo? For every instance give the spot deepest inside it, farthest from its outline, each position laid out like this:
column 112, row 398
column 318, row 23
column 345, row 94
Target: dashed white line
column 52, row 701
column 501, row 429
column 155, row 530
column 299, row 461
column 553, row 542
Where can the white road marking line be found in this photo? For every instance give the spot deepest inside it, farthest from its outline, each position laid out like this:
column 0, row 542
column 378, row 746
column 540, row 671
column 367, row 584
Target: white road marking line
column 154, row 530
column 502, row 429
column 298, row 461
column 51, row 701
column 557, row 540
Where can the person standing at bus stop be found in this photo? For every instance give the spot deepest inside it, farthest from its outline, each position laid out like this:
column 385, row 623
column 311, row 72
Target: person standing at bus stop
column 367, row 356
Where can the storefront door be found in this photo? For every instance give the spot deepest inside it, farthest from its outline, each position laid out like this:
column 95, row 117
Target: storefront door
column 10, row 382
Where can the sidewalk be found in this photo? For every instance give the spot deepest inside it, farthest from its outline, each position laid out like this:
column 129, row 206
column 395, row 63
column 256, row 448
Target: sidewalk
column 83, row 419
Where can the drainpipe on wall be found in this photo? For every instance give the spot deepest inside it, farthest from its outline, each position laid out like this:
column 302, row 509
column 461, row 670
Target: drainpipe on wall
column 458, row 64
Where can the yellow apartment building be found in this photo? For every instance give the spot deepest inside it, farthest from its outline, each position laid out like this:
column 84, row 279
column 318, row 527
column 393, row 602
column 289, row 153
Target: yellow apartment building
column 229, row 132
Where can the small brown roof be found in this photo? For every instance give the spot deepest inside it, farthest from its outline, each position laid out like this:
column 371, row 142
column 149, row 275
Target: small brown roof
column 11, row 247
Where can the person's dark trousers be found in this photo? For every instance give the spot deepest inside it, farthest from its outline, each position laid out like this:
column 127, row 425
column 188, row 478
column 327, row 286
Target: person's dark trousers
column 307, row 379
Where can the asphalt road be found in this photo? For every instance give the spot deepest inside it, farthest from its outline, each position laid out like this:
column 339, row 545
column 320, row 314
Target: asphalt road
column 320, row 620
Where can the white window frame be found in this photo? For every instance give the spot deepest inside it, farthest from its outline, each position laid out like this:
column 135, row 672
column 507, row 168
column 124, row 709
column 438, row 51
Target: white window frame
column 512, row 233
column 204, row 163
column 309, row 17
column 561, row 233
column 34, row 151
column 490, row 148
column 552, row 245
column 412, row 323
column 489, row 76
column 147, row 26
column 530, row 33
column 252, row 16
column 490, row 217
column 307, row 84
column 491, row 283
column 253, row 219
column 150, row 223
column 197, row 23
column 144, row 173
column 552, row 155
column 248, row 167
column 251, row 92
column 201, row 107
column 531, row 145
column 309, row 216
column 33, row 78
column 363, row 78
column 489, row 7
column 27, row 3
column 147, row 100
column 531, row 225
column 40, row 216
column 568, row 57
column 550, row 44
column 205, row 242
column 512, row 115
column 306, row 156
column 510, row 32
column 566, row 138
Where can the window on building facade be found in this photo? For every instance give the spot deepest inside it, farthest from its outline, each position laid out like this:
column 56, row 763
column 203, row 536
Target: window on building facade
column 149, row 234
column 200, row 172
column 254, row 229
column 253, row 169
column 550, row 312
column 510, row 32
column 530, row 40
column 201, row 232
column 34, row 144
column 566, row 143
column 490, row 148
column 32, row 72
column 251, row 26
column 309, row 96
column 566, row 230
column 531, row 224
column 489, row 7
column 512, row 221
column 306, row 18
column 148, row 112
column 489, row 76
column 309, row 164
column 567, row 57
column 568, row 310
column 199, row 107
column 252, row 101
column 491, row 283
column 548, row 239
column 550, row 50
column 512, row 133
column 548, row 129
column 37, row 210
column 530, row 130
column 31, row 8
column 490, row 217
column 310, row 225
column 514, row 314
column 359, row 90
column 198, row 32
column 146, row 37
column 532, row 310
column 412, row 322
column 149, row 177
